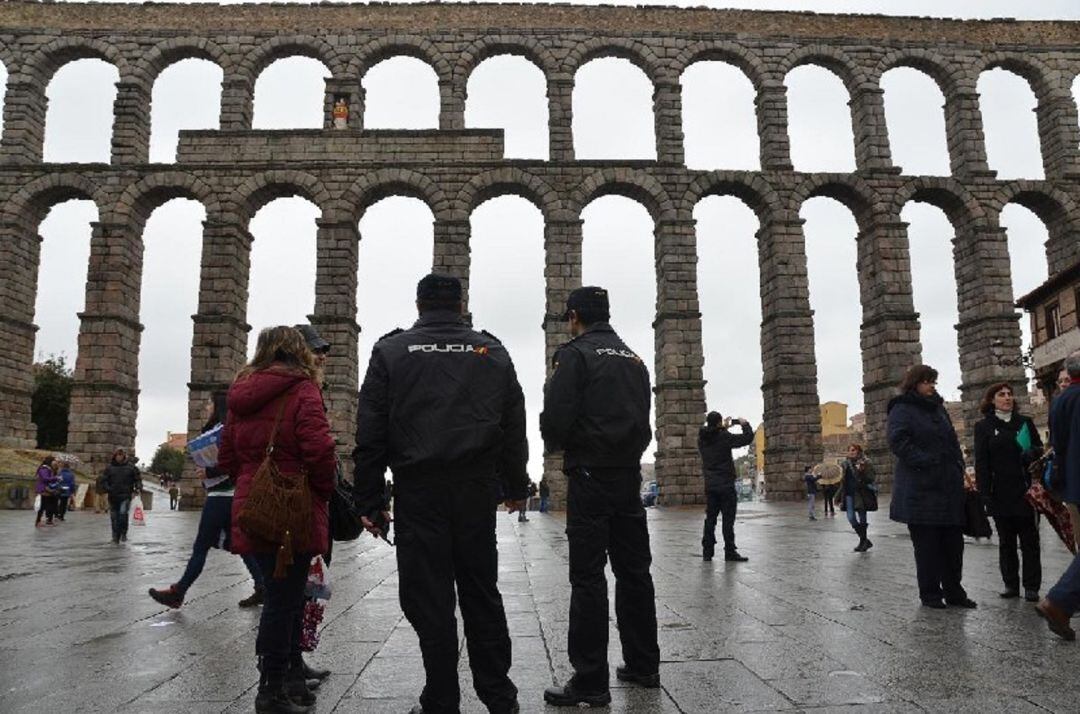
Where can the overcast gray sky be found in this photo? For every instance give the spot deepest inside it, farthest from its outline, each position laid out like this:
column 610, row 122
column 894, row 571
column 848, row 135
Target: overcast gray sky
column 612, row 119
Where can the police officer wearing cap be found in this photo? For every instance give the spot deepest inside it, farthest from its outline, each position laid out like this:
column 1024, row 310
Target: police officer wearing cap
column 596, row 410
column 442, row 407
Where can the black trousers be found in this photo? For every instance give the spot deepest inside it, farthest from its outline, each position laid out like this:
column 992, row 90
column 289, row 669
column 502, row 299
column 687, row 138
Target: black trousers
column 722, row 502
column 282, row 615
column 1025, row 528
column 605, row 518
column 446, row 537
column 939, row 561
column 830, row 494
column 47, row 507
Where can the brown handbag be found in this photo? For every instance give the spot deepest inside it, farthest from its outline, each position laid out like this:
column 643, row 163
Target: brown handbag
column 278, row 507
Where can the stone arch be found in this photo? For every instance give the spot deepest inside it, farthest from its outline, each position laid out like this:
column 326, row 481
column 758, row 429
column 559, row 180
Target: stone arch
column 262, row 188
column 934, row 65
column 493, row 46
column 383, row 183
column 946, row 193
column 165, row 54
column 384, row 48
column 1055, row 208
column 509, row 181
column 755, row 191
column 142, row 198
column 270, row 51
column 851, row 191
column 830, row 58
column 744, row 58
column 633, row 184
column 638, row 53
column 29, row 205
column 44, row 63
column 1038, row 75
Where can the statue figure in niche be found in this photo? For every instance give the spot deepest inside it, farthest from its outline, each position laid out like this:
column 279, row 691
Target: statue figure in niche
column 341, row 113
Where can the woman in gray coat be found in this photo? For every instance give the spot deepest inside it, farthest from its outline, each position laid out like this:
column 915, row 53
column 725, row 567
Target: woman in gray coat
column 928, row 486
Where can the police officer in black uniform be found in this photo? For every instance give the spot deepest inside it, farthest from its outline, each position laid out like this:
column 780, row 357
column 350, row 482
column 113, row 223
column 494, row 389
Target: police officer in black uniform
column 442, row 407
column 596, row 409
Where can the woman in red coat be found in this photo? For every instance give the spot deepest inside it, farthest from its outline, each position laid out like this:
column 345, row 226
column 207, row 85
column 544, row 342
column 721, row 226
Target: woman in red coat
column 283, row 370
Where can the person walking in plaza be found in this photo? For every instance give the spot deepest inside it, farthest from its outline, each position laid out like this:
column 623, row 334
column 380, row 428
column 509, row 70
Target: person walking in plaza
column 1006, row 443
column 928, row 486
column 275, row 411
column 545, row 494
column 46, row 487
column 174, row 495
column 596, row 410
column 120, row 480
column 442, row 407
column 68, row 486
column 215, row 523
column 528, row 502
column 811, row 480
column 856, row 495
column 715, row 443
column 1063, row 600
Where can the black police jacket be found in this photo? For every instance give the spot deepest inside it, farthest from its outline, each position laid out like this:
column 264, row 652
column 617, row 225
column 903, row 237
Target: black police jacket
column 439, row 401
column 596, row 403
column 715, row 445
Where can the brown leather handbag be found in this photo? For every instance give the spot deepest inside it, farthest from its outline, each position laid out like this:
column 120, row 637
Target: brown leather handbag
column 278, row 507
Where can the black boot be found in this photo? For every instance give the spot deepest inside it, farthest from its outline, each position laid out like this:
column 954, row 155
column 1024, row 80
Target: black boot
column 272, row 698
column 254, row 599
column 861, row 530
column 296, row 687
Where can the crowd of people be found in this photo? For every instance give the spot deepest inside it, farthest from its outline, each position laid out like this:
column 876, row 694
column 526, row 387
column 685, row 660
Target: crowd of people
column 441, row 407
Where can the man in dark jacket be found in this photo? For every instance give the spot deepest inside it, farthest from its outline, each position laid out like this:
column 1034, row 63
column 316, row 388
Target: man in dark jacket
column 1063, row 600
column 715, row 443
column 596, row 410
column 442, row 407
column 120, row 481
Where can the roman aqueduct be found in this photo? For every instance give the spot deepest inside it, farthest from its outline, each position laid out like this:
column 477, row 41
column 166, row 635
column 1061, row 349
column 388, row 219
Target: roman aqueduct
column 235, row 170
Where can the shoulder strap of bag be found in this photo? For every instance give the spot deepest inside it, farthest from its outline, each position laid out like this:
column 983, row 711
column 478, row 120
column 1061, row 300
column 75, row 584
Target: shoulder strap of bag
column 282, row 401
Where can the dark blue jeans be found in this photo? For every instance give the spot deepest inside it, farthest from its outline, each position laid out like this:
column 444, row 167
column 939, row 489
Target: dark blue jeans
column 214, row 528
column 282, row 617
column 1066, row 593
column 118, row 515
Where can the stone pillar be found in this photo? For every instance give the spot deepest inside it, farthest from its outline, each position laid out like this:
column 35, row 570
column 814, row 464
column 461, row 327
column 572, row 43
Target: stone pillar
column 667, row 116
column 678, row 380
column 560, row 95
column 792, row 413
column 989, row 327
column 772, row 121
column 131, row 124
column 20, row 249
column 452, row 252
column 1059, row 135
column 872, row 153
column 237, row 103
column 25, row 107
column 562, row 273
column 890, row 328
column 964, row 134
column 219, row 343
column 104, row 397
column 350, row 88
column 451, row 104
column 335, row 318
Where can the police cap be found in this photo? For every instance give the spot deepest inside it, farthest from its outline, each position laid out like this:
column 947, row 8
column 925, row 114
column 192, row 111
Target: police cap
column 442, row 288
column 587, row 299
column 314, row 340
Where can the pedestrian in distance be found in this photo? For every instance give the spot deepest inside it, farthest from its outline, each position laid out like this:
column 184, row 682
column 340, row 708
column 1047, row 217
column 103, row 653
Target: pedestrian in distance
column 68, row 486
column 528, row 502
column 856, row 495
column 811, row 479
column 441, row 406
column 596, row 410
column 545, row 494
column 828, row 496
column 1006, row 444
column 1063, row 600
column 928, row 487
column 174, row 495
column 715, row 443
column 215, row 522
column 47, row 488
column 275, row 411
column 120, row 481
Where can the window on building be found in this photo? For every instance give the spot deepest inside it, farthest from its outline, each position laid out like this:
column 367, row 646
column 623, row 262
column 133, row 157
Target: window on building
column 1053, row 321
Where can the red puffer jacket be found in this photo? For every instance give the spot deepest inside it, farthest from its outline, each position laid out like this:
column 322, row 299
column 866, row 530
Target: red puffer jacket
column 303, row 439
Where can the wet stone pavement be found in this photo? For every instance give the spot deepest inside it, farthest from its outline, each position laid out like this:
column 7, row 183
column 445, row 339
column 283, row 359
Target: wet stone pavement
column 806, row 625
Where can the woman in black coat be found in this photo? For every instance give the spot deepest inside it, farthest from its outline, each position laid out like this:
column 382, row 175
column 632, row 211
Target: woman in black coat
column 1006, row 443
column 928, row 486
